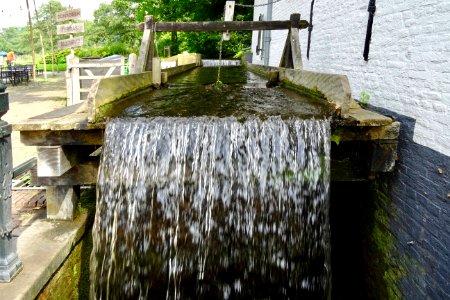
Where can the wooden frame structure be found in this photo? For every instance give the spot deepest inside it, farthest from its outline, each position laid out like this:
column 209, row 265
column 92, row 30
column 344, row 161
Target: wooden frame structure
column 291, row 55
column 78, row 72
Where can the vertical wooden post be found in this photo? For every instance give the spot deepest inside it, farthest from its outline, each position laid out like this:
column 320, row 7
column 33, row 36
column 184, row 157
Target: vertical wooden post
column 69, row 62
column 132, row 60
column 156, row 71
column 295, row 41
column 75, row 82
column 229, row 12
column 144, row 62
column 122, row 66
column 62, row 202
column 292, row 54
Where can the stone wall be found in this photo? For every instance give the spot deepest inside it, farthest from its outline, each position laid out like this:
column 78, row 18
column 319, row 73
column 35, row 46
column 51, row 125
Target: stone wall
column 408, row 77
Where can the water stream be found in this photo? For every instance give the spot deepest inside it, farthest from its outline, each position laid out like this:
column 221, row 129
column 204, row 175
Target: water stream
column 212, row 207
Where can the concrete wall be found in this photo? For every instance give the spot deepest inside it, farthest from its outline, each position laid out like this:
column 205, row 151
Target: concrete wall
column 407, row 76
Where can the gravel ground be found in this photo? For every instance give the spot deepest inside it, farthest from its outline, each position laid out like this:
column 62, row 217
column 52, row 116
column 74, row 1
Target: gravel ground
column 29, row 100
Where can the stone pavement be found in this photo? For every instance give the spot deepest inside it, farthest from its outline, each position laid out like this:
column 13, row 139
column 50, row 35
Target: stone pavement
column 42, row 245
column 29, row 100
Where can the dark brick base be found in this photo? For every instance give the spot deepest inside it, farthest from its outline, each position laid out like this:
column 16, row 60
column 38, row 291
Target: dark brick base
column 393, row 233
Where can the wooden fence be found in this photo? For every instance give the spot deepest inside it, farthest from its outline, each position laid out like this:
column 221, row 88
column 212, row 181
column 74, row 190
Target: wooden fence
column 80, row 75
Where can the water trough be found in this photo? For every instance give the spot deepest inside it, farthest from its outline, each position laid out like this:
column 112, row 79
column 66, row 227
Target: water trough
column 69, row 140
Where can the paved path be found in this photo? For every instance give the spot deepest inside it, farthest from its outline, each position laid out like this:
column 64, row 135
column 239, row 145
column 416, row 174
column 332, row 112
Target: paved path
column 29, row 100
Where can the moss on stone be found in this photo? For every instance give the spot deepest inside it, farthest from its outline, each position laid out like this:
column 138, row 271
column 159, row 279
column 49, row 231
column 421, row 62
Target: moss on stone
column 385, row 265
column 71, row 281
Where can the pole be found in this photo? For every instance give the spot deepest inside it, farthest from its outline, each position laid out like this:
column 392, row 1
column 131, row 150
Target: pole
column 33, row 57
column 371, row 9
column 310, row 28
column 40, row 39
column 10, row 264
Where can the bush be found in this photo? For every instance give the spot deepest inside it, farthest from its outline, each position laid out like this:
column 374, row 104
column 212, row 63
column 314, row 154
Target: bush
column 100, row 52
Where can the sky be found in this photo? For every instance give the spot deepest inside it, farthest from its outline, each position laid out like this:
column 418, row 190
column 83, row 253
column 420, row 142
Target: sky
column 15, row 12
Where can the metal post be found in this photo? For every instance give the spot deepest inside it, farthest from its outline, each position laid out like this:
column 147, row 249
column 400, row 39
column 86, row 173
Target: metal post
column 10, row 264
column 267, row 34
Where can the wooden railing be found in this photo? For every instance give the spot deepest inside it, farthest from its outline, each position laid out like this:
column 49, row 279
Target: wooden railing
column 80, row 75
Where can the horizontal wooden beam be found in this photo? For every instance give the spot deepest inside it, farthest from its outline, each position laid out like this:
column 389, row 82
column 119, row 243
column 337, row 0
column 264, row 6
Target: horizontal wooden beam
column 84, row 173
column 223, row 26
column 53, row 161
column 62, row 137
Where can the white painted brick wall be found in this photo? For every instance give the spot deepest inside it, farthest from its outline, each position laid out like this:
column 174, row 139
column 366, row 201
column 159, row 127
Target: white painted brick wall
column 409, row 62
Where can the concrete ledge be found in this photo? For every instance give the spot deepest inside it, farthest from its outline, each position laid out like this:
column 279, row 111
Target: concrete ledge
column 334, row 87
column 42, row 248
column 107, row 90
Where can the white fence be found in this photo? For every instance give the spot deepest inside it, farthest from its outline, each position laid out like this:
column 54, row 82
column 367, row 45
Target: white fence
column 80, row 75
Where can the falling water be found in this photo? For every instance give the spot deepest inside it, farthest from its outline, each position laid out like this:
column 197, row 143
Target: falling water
column 212, row 208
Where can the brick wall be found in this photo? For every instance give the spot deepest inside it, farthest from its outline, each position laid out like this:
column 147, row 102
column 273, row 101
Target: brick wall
column 409, row 62
column 407, row 77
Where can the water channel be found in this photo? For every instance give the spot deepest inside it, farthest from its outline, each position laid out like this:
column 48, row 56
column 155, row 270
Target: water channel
column 207, row 193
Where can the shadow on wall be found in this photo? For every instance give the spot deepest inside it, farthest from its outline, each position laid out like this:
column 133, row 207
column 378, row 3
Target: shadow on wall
column 391, row 234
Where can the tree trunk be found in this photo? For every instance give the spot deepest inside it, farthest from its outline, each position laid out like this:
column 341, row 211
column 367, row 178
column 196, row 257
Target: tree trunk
column 42, row 42
column 33, row 57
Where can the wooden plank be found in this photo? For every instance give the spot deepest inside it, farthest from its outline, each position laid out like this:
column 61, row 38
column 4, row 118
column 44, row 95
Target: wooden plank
column 223, row 26
column 70, row 28
column 295, row 49
column 229, row 12
column 64, row 137
column 144, row 62
column 75, row 74
column 286, row 60
column 69, row 14
column 84, row 173
column 95, row 77
column 295, row 42
column 156, row 71
column 70, row 43
column 91, row 65
column 53, row 161
column 132, row 61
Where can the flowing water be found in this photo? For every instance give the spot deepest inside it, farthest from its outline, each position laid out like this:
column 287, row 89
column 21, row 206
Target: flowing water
column 213, row 207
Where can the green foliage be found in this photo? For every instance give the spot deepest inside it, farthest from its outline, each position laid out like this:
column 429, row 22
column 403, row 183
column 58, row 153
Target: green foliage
column 114, row 29
column 16, row 39
column 336, row 138
column 114, row 23
column 205, row 43
column 364, row 98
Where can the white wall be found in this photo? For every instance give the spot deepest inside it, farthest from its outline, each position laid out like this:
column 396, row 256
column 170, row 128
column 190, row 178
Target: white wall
column 409, row 61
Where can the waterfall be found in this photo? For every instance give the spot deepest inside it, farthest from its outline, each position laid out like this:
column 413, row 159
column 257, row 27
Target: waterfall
column 212, row 208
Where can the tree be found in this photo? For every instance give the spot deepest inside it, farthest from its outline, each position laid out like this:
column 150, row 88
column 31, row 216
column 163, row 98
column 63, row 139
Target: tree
column 114, row 23
column 46, row 19
column 15, row 38
column 200, row 10
column 30, row 24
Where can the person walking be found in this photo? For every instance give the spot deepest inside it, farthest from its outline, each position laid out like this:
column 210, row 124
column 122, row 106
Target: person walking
column 10, row 57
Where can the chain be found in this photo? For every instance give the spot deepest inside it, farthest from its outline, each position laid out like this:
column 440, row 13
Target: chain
column 220, row 58
column 248, row 5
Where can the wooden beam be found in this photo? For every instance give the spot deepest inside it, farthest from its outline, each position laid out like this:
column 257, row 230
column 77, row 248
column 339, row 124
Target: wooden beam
column 223, row 26
column 84, row 173
column 62, row 137
column 62, row 202
column 53, row 161
column 292, row 56
column 144, row 62
column 295, row 42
